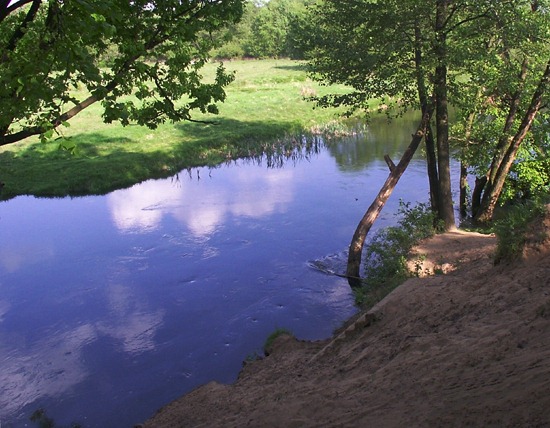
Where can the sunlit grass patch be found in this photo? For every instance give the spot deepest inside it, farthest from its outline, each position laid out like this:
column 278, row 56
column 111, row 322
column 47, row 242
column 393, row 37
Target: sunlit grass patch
column 264, row 104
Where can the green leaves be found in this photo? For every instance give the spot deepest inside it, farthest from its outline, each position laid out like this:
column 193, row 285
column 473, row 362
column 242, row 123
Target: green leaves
column 493, row 55
column 154, row 55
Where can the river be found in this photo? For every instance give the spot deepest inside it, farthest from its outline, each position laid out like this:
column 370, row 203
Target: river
column 111, row 306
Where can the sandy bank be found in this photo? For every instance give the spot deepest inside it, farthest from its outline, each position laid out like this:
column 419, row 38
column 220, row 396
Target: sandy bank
column 470, row 347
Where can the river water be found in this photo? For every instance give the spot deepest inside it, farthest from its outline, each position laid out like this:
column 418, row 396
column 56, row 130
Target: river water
column 111, row 306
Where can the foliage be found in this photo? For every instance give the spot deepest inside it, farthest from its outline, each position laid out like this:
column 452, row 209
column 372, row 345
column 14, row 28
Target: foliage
column 511, row 230
column 231, row 42
column 393, row 53
column 155, row 53
column 530, row 173
column 387, row 252
column 500, row 116
column 267, row 30
column 487, row 58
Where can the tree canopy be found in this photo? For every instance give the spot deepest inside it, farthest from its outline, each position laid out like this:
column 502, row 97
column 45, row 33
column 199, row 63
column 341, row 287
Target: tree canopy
column 156, row 50
column 487, row 60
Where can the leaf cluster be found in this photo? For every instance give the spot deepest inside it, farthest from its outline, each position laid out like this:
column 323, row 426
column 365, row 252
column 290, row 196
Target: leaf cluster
column 155, row 51
column 494, row 55
column 270, row 29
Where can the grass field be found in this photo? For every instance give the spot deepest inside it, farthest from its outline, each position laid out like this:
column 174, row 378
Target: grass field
column 265, row 107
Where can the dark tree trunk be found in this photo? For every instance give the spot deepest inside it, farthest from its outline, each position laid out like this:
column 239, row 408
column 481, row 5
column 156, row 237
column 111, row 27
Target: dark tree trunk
column 477, row 193
column 433, row 176
column 431, row 157
column 463, row 190
column 358, row 240
column 445, row 205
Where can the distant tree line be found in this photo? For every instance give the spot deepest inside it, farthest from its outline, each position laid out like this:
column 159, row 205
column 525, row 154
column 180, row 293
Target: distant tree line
column 268, row 29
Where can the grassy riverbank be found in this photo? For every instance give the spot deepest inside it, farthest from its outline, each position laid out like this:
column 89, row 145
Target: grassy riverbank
column 265, row 106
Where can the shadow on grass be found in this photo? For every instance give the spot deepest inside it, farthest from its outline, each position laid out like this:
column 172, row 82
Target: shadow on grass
column 295, row 67
column 101, row 163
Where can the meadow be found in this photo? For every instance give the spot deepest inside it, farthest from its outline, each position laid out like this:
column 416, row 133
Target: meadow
column 266, row 107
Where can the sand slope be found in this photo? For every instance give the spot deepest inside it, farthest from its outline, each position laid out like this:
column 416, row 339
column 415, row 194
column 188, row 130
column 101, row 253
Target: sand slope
column 467, row 348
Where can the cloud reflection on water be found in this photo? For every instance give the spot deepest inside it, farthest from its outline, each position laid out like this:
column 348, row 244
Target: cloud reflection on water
column 58, row 361
column 14, row 258
column 129, row 320
column 200, row 206
column 52, row 366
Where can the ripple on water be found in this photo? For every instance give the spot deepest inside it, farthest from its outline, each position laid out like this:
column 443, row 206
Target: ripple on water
column 333, row 264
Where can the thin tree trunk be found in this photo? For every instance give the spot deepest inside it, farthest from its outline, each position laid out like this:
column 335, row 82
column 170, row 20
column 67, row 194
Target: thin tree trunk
column 431, row 157
column 463, row 206
column 433, row 176
column 463, row 190
column 505, row 140
column 358, row 240
column 493, row 188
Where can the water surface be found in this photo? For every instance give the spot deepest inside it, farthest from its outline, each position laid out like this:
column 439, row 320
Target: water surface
column 111, row 306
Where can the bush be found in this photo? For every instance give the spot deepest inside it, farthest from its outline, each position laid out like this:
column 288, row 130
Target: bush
column 511, row 230
column 387, row 252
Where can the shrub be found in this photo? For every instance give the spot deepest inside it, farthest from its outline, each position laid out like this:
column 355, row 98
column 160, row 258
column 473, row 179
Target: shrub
column 387, row 252
column 511, row 230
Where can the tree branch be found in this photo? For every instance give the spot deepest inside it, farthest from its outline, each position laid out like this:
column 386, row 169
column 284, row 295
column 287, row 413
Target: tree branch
column 6, row 8
column 158, row 35
column 20, row 31
column 466, row 20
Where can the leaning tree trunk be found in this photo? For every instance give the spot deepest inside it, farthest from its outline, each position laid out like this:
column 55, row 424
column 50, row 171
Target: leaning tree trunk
column 495, row 184
column 358, row 240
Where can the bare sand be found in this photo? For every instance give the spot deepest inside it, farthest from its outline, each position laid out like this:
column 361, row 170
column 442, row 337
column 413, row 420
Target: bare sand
column 468, row 344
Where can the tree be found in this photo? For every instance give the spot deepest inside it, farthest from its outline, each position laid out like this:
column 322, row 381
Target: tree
column 268, row 29
column 272, row 28
column 391, row 52
column 49, row 47
column 511, row 89
column 233, row 41
column 396, row 171
column 400, row 53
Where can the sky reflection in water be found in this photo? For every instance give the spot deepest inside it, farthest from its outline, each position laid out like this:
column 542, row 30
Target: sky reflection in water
column 111, row 306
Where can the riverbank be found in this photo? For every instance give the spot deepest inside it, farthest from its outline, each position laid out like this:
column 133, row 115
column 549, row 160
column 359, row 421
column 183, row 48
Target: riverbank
column 467, row 347
column 265, row 111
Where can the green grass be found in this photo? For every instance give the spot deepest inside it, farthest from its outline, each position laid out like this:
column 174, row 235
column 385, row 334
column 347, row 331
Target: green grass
column 268, row 346
column 265, row 106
